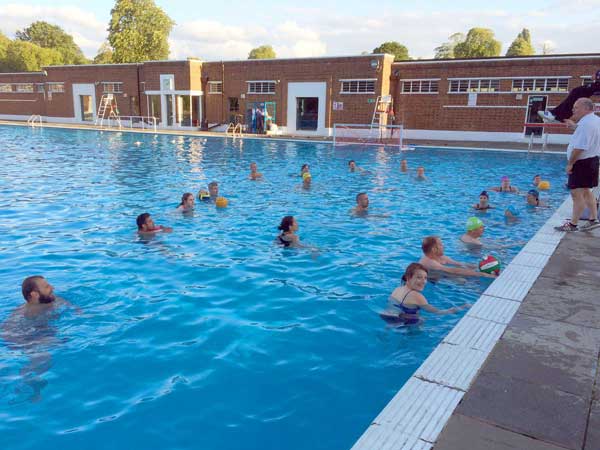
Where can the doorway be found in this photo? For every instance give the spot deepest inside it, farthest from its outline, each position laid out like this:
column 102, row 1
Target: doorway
column 87, row 108
column 307, row 113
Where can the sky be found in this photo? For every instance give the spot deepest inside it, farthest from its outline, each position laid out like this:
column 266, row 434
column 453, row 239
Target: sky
column 216, row 31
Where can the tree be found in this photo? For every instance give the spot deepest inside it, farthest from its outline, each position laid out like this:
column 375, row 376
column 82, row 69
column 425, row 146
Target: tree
column 4, row 43
column 24, row 56
column 399, row 51
column 480, row 42
column 547, row 48
column 104, row 55
column 54, row 37
column 138, row 31
column 446, row 50
column 521, row 46
column 262, row 52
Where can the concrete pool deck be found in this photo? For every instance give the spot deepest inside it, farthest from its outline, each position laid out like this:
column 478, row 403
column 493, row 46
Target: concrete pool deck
column 520, row 370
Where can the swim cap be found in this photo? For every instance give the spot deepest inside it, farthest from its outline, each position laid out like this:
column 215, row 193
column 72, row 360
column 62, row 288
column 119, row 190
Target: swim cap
column 306, row 175
column 512, row 210
column 504, row 178
column 533, row 192
column 473, row 223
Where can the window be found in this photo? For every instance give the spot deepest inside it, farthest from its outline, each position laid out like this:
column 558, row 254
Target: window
column 586, row 81
column 420, row 86
column 167, row 82
column 215, row 87
column 554, row 84
column 23, row 87
column 5, row 87
column 56, row 87
column 484, row 85
column 112, row 87
column 39, row 87
column 261, row 87
column 358, row 86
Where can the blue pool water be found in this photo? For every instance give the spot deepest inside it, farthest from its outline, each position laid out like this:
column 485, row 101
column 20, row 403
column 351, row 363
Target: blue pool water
column 212, row 337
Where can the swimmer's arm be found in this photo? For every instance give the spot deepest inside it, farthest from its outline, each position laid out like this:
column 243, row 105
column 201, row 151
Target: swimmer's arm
column 165, row 229
column 466, row 272
column 423, row 304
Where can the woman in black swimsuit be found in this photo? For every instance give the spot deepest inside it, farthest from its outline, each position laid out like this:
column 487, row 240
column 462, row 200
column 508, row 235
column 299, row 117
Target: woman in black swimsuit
column 287, row 237
column 483, row 204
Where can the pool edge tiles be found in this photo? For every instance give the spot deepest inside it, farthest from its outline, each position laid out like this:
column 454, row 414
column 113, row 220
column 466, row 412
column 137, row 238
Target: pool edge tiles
column 430, row 396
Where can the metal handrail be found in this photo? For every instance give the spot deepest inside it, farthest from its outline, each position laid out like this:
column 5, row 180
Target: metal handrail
column 143, row 121
column 33, row 118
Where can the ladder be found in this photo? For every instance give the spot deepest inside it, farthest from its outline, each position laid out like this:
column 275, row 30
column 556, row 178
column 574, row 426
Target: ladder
column 108, row 109
column 383, row 106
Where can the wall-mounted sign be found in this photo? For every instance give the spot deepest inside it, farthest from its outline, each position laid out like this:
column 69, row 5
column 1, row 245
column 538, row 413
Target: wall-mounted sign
column 338, row 106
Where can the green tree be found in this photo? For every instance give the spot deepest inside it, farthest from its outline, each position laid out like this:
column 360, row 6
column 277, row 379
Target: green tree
column 399, row 51
column 138, row 31
column 24, row 56
column 4, row 42
column 54, row 37
column 262, row 52
column 446, row 50
column 480, row 42
column 104, row 55
column 521, row 46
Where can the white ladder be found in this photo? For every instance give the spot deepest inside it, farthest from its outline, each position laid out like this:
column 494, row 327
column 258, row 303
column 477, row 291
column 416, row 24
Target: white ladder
column 108, row 102
column 383, row 106
column 33, row 119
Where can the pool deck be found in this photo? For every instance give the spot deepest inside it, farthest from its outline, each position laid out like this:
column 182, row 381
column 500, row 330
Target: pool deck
column 479, row 145
column 520, row 370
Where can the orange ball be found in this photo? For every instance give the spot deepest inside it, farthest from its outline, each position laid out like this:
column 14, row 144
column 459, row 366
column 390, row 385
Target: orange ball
column 221, row 202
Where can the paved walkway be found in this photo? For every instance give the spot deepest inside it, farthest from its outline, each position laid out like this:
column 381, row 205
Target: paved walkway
column 539, row 389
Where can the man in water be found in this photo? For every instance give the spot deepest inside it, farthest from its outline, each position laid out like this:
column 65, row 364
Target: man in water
column 37, row 291
column 434, row 259
column 362, row 204
column 147, row 227
column 254, row 174
column 474, row 232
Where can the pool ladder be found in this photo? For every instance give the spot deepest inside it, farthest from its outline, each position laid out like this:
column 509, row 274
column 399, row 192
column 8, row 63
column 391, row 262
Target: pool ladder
column 33, row 119
column 234, row 129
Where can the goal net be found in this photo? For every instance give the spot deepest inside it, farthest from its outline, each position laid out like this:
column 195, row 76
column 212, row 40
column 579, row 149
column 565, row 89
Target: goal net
column 386, row 135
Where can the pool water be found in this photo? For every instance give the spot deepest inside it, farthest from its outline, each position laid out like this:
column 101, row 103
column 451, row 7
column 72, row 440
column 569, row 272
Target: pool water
column 213, row 337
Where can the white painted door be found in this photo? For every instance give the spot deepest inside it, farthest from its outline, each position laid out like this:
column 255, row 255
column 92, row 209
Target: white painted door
column 309, row 90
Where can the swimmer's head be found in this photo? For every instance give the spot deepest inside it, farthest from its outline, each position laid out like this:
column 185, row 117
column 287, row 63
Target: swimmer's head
column 144, row 222
column 288, row 223
column 432, row 245
column 213, row 189
column 187, row 200
column 36, row 289
column 416, row 274
column 536, row 180
column 362, row 200
column 304, row 168
column 511, row 211
column 474, row 223
column 533, row 197
column 420, row 171
column 253, row 167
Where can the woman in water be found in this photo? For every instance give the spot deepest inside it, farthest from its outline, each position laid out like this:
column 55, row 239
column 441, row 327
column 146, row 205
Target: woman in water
column 304, row 169
column 505, row 186
column 406, row 300
column 287, row 237
column 187, row 202
column 484, row 202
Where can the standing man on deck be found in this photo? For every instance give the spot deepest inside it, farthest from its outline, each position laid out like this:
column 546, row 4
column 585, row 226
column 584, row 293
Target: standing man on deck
column 582, row 165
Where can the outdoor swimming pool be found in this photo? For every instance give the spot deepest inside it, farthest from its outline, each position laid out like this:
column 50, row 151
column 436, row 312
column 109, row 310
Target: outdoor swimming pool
column 212, row 336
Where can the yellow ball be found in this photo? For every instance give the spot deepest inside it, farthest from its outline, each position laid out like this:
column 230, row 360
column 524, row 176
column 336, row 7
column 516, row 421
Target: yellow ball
column 544, row 185
column 221, row 202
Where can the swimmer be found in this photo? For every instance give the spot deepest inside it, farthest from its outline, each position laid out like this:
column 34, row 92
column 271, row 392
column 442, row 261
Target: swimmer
column 474, row 232
column 306, row 180
column 304, row 169
column 536, row 180
column 147, row 227
column 352, row 166
column 254, row 175
column 533, row 198
column 187, row 202
column 511, row 213
column 213, row 190
column 406, row 300
column 483, row 204
column 362, row 204
column 421, row 174
column 434, row 259
column 288, row 228
column 403, row 166
column 505, row 186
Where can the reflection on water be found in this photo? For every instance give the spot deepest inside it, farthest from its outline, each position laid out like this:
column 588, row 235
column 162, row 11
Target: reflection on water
column 30, row 335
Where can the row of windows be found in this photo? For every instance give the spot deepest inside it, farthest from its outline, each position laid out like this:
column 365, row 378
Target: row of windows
column 108, row 87
column 486, row 85
column 268, row 87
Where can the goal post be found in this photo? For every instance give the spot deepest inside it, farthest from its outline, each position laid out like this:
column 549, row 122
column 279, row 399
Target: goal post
column 365, row 134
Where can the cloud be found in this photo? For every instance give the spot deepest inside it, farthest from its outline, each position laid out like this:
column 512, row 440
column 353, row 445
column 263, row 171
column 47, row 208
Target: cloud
column 87, row 31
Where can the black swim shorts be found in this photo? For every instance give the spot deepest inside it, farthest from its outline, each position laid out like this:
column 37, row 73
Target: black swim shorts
column 585, row 173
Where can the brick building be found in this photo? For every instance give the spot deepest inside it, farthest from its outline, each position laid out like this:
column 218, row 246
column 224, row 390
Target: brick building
column 478, row 99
